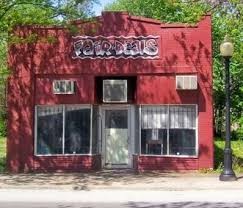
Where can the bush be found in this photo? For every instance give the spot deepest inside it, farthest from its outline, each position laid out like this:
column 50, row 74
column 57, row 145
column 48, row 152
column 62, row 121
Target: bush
column 3, row 121
column 237, row 147
column 3, row 129
column 2, row 154
column 237, row 134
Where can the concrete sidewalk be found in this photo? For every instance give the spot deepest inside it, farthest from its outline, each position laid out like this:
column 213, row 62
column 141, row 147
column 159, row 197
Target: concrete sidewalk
column 119, row 180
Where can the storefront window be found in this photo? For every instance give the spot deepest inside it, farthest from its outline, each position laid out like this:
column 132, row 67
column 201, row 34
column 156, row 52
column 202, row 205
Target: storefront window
column 77, row 130
column 182, row 132
column 49, row 130
column 154, row 130
column 63, row 129
column 168, row 130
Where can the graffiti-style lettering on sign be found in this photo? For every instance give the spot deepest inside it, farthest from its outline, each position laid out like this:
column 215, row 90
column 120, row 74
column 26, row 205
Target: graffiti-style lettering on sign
column 115, row 47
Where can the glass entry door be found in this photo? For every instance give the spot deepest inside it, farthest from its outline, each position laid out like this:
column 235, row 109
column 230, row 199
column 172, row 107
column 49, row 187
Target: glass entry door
column 116, row 136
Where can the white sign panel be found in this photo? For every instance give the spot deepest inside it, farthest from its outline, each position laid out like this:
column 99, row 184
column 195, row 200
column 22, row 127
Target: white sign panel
column 146, row 47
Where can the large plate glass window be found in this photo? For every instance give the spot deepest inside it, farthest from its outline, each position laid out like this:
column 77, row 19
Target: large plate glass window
column 182, row 133
column 154, row 130
column 49, row 130
column 63, row 129
column 77, row 130
column 168, row 130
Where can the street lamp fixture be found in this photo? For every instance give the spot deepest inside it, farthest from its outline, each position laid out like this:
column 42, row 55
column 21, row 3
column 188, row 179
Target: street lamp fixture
column 226, row 51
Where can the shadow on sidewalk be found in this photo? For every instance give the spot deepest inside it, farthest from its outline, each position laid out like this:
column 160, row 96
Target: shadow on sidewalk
column 82, row 180
column 185, row 205
column 240, row 178
column 123, row 205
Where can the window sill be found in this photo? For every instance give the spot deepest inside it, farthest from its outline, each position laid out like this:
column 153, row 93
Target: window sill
column 170, row 156
column 64, row 155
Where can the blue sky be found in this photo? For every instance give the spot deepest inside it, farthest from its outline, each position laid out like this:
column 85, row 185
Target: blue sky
column 98, row 8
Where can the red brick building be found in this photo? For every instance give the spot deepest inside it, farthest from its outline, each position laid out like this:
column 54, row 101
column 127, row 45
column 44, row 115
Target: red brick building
column 117, row 91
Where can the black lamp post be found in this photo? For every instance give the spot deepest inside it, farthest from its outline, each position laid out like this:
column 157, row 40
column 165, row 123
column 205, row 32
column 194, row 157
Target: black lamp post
column 226, row 50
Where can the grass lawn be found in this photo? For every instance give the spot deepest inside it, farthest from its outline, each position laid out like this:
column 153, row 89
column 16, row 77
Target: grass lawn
column 237, row 147
column 2, row 154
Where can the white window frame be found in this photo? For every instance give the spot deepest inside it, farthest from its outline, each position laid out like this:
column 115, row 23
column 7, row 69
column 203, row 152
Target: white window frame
column 82, row 106
column 168, row 128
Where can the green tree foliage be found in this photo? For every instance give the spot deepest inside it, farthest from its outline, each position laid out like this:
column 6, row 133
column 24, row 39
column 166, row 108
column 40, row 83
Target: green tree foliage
column 227, row 18
column 29, row 12
column 166, row 10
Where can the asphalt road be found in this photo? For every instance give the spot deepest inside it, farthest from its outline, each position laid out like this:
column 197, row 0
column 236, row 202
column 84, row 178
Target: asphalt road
column 22, row 198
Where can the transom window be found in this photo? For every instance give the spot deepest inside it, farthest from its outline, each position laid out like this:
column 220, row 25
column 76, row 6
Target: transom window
column 63, row 129
column 168, row 130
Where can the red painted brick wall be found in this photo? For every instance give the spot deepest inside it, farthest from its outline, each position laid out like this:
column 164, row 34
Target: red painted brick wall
column 84, row 90
column 66, row 163
column 160, row 89
column 166, row 163
column 182, row 50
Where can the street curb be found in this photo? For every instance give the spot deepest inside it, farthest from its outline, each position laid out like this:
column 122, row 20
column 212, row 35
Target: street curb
column 120, row 188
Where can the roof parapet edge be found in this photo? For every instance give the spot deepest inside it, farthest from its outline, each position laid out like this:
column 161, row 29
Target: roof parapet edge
column 178, row 25
column 144, row 19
